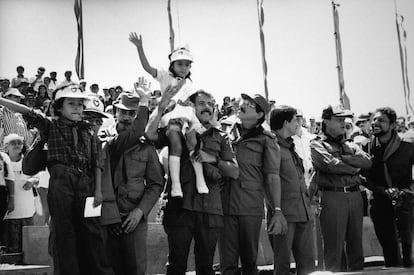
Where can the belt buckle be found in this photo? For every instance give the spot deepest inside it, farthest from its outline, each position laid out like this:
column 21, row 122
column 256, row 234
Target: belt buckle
column 346, row 189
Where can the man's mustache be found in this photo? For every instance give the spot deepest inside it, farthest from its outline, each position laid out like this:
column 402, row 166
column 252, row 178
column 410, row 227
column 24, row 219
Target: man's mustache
column 206, row 111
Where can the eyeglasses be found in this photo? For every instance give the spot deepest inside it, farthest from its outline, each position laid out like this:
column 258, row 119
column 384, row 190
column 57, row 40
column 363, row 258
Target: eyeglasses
column 16, row 142
column 248, row 104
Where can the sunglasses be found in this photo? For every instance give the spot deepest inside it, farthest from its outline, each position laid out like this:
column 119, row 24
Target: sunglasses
column 16, row 142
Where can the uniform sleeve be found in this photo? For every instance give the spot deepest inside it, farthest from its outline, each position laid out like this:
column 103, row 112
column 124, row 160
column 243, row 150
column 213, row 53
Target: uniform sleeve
column 326, row 162
column 226, row 152
column 129, row 138
column 37, row 120
column 96, row 148
column 154, row 182
column 271, row 156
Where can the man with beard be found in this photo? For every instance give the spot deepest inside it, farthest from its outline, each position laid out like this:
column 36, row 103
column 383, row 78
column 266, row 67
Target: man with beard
column 137, row 180
column 338, row 162
column 196, row 216
column 390, row 179
column 258, row 157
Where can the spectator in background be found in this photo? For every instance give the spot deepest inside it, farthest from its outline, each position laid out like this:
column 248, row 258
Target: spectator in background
column 302, row 140
column 24, row 87
column 37, row 79
column 6, row 189
column 11, row 122
column 41, row 96
column 4, row 85
column 17, row 80
column 46, row 81
column 349, row 128
column 24, row 206
column 68, row 80
column 53, row 83
column 82, row 84
column 401, row 127
column 156, row 93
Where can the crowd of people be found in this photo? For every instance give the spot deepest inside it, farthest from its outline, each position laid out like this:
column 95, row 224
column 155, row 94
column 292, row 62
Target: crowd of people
column 221, row 169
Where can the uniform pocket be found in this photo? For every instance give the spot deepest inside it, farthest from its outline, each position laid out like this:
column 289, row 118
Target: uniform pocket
column 254, row 153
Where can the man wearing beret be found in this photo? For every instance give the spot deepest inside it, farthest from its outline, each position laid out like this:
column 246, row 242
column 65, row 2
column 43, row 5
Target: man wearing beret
column 258, row 156
column 338, row 163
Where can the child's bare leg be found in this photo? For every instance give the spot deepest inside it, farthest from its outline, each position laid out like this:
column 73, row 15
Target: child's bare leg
column 174, row 162
column 201, row 184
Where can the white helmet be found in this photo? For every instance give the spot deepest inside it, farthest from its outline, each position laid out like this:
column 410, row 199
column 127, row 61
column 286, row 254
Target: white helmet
column 71, row 91
column 95, row 105
column 181, row 54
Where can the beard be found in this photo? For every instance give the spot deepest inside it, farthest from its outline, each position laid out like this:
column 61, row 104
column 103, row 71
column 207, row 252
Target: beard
column 123, row 126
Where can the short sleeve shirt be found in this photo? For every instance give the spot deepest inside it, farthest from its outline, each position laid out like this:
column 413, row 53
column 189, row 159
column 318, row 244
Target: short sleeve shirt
column 165, row 78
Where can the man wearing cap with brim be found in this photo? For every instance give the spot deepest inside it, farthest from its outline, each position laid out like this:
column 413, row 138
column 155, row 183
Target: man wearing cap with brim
column 138, row 181
column 11, row 122
column 37, row 79
column 338, row 163
column 258, row 156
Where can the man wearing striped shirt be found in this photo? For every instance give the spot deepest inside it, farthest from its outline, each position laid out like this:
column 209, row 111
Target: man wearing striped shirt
column 11, row 122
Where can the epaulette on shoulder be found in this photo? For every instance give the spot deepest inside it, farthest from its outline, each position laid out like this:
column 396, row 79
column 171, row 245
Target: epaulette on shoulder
column 269, row 134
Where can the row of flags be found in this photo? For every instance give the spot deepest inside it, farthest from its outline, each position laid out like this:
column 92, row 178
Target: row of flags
column 343, row 97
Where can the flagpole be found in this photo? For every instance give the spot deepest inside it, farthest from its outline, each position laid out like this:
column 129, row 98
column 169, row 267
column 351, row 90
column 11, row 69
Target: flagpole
column 79, row 61
column 260, row 14
column 343, row 98
column 172, row 36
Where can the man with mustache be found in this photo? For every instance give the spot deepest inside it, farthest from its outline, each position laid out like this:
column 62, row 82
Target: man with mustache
column 196, row 216
column 390, row 179
column 138, row 181
column 258, row 157
column 338, row 163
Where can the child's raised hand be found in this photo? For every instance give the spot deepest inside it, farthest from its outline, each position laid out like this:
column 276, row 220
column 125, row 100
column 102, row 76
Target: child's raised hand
column 135, row 39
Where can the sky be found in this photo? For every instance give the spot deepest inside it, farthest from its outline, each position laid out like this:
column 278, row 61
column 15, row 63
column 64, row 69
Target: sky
column 223, row 36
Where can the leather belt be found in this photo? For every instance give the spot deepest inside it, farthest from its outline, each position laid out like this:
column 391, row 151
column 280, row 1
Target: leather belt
column 344, row 189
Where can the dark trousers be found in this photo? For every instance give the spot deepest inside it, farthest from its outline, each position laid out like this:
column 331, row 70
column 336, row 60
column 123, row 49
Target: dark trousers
column 79, row 240
column 13, row 233
column 392, row 225
column 3, row 206
column 341, row 223
column 205, row 235
column 127, row 253
column 239, row 238
column 299, row 241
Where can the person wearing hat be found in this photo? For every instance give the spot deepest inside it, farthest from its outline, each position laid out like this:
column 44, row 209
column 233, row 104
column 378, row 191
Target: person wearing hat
column 73, row 160
column 182, row 118
column 11, row 122
column 138, row 181
column 363, row 125
column 258, row 157
column 4, row 85
column 295, row 202
column 67, row 81
column 17, row 80
column 24, row 201
column 390, row 180
column 338, row 163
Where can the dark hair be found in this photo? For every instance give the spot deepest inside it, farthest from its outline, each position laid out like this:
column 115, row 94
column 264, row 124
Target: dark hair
column 197, row 94
column 389, row 112
column 20, row 67
column 56, row 105
column 281, row 114
column 171, row 69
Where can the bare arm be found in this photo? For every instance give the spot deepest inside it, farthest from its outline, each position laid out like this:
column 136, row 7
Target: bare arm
column 16, row 107
column 154, row 120
column 137, row 41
